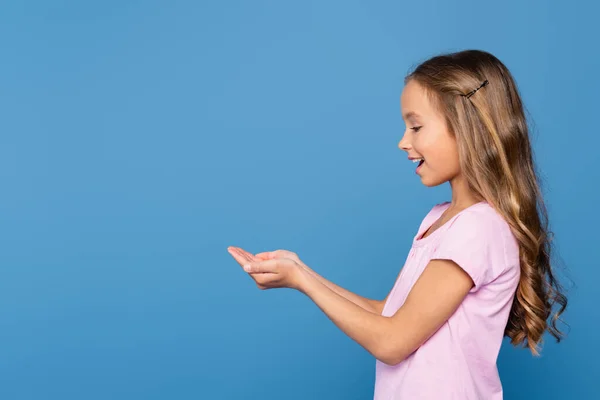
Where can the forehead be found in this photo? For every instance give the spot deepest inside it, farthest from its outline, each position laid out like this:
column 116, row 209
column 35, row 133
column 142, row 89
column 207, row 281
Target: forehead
column 414, row 102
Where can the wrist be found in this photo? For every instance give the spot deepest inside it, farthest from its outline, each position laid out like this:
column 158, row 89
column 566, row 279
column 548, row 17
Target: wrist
column 304, row 277
column 306, row 269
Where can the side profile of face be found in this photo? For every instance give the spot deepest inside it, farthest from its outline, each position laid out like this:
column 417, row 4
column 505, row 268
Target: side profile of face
column 427, row 138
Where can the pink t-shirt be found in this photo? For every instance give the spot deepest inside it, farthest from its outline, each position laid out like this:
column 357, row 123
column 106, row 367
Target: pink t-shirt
column 459, row 360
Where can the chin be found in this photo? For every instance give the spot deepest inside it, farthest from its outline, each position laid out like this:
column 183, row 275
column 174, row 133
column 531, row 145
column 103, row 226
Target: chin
column 431, row 182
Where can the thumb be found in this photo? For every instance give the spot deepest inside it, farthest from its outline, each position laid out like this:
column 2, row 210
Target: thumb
column 262, row 267
column 267, row 255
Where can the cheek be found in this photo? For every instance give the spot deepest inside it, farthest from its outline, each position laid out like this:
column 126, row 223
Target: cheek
column 452, row 155
column 441, row 154
column 451, row 160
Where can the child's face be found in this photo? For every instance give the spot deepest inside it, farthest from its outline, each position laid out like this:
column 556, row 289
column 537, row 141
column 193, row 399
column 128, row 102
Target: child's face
column 430, row 141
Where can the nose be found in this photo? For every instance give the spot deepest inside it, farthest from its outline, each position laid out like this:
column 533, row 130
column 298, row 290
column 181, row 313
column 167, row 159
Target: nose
column 404, row 143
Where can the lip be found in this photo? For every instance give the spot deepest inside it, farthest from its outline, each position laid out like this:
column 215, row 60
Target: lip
column 419, row 167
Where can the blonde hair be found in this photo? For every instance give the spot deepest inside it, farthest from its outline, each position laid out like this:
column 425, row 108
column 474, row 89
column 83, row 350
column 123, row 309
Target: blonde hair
column 496, row 159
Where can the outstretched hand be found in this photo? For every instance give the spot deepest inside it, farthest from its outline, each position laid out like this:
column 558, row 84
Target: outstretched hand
column 276, row 269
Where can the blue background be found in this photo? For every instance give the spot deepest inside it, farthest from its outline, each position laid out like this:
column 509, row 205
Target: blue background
column 139, row 139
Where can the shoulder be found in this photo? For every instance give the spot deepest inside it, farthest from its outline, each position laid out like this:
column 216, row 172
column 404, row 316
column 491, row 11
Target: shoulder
column 482, row 219
column 486, row 226
column 480, row 235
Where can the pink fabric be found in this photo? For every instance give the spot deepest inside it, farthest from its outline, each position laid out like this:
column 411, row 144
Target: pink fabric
column 459, row 360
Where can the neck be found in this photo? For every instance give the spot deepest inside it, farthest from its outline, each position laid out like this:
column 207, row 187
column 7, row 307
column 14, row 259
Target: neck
column 462, row 195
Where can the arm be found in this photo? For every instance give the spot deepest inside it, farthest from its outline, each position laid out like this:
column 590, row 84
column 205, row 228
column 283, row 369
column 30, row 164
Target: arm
column 373, row 306
column 392, row 339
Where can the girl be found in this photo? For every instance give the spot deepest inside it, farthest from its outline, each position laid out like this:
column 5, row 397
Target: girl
column 479, row 266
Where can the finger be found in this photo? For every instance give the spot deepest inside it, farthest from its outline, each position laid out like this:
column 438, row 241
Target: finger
column 266, row 279
column 235, row 249
column 244, row 254
column 267, row 255
column 239, row 257
column 249, row 255
column 267, row 266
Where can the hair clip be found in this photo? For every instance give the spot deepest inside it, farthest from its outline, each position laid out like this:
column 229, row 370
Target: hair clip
column 471, row 93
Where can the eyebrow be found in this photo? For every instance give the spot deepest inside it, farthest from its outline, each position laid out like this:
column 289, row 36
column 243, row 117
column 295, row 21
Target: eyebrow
column 411, row 114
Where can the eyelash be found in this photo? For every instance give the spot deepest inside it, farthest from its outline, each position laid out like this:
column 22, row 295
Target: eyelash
column 416, row 128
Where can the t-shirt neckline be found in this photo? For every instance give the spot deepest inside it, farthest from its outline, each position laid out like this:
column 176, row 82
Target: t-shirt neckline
column 423, row 241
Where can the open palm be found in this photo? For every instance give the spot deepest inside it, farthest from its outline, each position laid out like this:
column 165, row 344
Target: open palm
column 275, row 269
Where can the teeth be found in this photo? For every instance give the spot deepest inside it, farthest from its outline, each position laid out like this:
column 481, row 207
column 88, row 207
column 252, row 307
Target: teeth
column 416, row 160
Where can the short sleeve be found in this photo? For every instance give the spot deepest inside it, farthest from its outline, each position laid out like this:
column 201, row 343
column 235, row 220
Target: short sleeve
column 475, row 243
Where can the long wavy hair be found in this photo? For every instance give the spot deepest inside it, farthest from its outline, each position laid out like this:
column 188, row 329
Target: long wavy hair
column 483, row 109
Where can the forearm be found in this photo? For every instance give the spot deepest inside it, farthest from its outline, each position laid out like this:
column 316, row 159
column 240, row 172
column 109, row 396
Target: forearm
column 368, row 329
column 374, row 306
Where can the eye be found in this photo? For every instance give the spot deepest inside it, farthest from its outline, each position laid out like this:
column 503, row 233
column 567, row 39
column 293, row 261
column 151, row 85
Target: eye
column 416, row 128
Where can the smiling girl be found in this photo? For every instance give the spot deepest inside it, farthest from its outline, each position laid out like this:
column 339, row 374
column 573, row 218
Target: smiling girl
column 479, row 266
